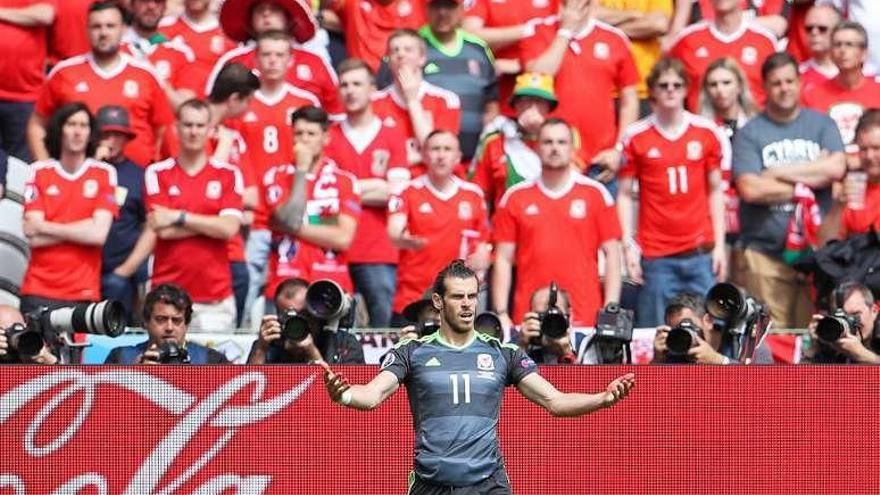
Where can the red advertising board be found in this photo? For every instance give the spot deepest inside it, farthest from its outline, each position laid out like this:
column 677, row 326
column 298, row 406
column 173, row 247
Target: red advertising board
column 272, row 430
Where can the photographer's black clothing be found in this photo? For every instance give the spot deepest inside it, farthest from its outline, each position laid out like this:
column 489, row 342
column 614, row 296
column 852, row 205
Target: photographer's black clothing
column 198, row 354
column 335, row 347
column 496, row 484
column 825, row 354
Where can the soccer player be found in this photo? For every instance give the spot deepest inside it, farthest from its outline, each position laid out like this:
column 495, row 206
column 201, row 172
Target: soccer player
column 676, row 157
column 194, row 205
column 455, row 380
column 438, row 218
column 410, row 103
column 105, row 76
column 375, row 153
column 730, row 34
column 69, row 207
column 315, row 209
column 553, row 228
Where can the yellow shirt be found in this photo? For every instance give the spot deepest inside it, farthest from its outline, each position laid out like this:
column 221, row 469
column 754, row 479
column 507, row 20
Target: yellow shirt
column 646, row 52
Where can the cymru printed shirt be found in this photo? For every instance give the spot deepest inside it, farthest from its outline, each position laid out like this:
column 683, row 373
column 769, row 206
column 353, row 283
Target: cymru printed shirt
column 455, row 398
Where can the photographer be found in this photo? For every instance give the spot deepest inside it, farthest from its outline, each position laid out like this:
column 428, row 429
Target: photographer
column 272, row 347
column 857, row 341
column 544, row 349
column 687, row 312
column 168, row 311
column 11, row 319
column 425, row 319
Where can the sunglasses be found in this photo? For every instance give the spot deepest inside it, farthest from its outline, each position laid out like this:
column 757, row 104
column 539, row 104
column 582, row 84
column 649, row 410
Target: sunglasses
column 670, row 86
column 817, row 27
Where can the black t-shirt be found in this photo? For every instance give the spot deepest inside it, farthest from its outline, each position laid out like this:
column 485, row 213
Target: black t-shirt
column 127, row 226
column 340, row 347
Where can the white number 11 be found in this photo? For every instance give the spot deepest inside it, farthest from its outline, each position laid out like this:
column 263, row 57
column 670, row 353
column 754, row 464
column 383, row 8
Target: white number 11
column 678, row 184
column 466, row 379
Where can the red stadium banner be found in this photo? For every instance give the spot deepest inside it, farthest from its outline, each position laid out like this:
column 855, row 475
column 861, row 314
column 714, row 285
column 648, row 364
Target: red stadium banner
column 255, row 430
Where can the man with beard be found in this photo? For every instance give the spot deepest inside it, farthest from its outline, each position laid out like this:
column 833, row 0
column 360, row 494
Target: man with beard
column 455, row 379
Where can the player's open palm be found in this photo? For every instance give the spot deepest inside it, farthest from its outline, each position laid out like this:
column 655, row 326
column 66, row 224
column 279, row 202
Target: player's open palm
column 619, row 388
column 336, row 383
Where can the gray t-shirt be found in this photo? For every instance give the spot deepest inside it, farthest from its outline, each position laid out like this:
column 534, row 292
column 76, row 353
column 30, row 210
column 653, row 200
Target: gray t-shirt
column 763, row 143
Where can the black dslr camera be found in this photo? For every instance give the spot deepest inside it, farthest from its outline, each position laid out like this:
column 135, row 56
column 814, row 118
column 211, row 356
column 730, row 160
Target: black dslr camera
column 427, row 327
column 835, row 325
column 294, row 326
column 680, row 339
column 554, row 321
column 172, row 353
column 615, row 323
column 26, row 340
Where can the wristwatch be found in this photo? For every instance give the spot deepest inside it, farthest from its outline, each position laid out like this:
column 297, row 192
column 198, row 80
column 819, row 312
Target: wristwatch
column 181, row 219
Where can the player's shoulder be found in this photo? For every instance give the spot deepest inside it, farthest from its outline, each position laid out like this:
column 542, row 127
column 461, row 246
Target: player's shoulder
column 496, row 343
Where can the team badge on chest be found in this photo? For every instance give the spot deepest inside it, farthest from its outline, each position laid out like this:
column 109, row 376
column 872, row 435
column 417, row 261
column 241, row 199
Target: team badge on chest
column 217, row 44
column 694, row 150
column 601, row 51
column 130, row 89
column 213, row 189
column 485, row 362
column 578, row 209
column 90, row 188
column 465, row 212
column 749, row 55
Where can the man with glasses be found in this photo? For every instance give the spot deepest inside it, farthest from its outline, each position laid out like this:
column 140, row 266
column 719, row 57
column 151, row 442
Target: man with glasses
column 866, row 12
column 819, row 22
column 676, row 157
column 846, row 96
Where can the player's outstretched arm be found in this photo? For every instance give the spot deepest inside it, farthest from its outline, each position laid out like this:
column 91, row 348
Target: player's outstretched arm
column 363, row 397
column 538, row 390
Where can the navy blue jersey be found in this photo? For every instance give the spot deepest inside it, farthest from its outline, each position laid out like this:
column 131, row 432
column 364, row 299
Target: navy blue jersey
column 455, row 398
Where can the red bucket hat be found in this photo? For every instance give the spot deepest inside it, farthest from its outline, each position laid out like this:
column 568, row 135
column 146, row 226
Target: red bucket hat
column 235, row 18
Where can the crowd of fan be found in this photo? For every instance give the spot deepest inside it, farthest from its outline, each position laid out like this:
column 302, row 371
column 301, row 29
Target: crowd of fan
column 618, row 148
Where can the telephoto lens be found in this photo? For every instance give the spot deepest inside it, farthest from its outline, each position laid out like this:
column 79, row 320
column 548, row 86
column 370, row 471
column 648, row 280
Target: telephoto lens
column 101, row 318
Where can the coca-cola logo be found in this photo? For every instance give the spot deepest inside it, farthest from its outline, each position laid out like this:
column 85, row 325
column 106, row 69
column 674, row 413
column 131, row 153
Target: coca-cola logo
column 192, row 415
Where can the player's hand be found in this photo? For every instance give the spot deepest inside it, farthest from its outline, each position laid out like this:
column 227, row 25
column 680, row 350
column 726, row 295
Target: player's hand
column 660, row 348
column 703, row 353
column 618, row 389
column 161, row 217
column 336, row 383
column 150, row 356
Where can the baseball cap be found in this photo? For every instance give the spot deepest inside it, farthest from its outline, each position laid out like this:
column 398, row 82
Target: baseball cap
column 114, row 118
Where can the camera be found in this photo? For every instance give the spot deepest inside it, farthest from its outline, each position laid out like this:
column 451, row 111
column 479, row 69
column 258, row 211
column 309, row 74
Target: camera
column 680, row 339
column 728, row 303
column 615, row 323
column 24, row 339
column 427, row 327
column 172, row 353
column 554, row 322
column 834, row 326
column 327, row 302
column 294, row 326
column 99, row 318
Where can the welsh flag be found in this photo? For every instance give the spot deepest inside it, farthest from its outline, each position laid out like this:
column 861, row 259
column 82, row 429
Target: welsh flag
column 801, row 238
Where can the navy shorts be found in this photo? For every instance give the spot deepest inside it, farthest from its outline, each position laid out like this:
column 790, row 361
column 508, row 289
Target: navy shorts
column 497, row 484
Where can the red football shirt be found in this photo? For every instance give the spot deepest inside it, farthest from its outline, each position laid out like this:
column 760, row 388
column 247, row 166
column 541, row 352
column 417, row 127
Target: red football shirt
column 169, row 60
column 22, row 56
column 208, row 44
column 812, row 74
column 330, row 193
column 700, row 44
column 199, row 264
column 132, row 85
column 673, row 174
column 504, row 13
column 369, row 23
column 236, row 155
column 757, row 7
column 307, row 71
column 371, row 154
column 265, row 127
column 861, row 221
column 443, row 105
column 558, row 236
column 68, row 271
column 69, row 33
column 845, row 106
column 453, row 223
column 597, row 64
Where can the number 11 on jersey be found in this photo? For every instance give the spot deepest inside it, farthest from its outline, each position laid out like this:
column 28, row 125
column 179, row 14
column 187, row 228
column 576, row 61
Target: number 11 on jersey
column 466, row 382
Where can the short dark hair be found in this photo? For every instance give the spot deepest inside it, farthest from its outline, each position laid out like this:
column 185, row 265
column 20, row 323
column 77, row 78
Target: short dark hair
column 56, row 123
column 845, row 290
column 312, row 114
column 352, row 64
column 100, row 5
column 455, row 269
column 664, row 65
column 194, row 104
column 437, row 132
column 776, row 61
column 851, row 26
column 557, row 121
column 233, row 78
column 288, row 286
column 686, row 300
column 869, row 120
column 168, row 294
